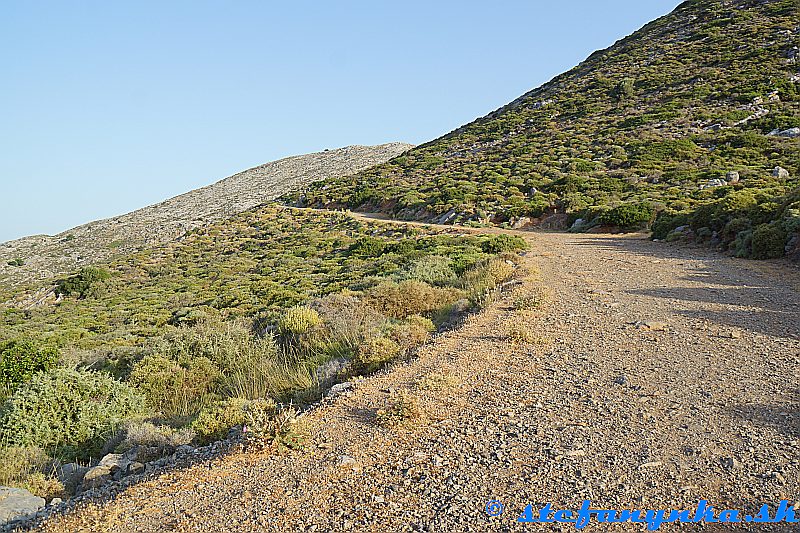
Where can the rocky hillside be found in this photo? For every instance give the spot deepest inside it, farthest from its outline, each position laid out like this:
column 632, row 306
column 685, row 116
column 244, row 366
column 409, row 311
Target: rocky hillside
column 44, row 256
column 694, row 117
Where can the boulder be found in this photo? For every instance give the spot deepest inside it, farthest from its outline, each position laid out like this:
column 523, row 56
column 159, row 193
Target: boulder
column 96, row 477
column 521, row 222
column 339, row 388
column 16, row 504
column 780, row 173
column 71, row 475
column 732, row 177
column 447, row 218
column 716, row 182
column 791, row 133
column 111, row 466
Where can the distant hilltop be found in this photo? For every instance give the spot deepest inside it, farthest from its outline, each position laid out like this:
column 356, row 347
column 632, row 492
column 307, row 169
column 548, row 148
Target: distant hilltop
column 44, row 256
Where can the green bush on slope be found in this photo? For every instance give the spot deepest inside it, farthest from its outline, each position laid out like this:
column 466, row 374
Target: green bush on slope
column 60, row 408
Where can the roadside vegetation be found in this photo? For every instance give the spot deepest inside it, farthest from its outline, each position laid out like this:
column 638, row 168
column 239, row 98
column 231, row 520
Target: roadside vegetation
column 238, row 325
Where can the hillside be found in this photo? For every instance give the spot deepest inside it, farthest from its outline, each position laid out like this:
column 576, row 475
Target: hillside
column 572, row 398
column 45, row 256
column 694, row 117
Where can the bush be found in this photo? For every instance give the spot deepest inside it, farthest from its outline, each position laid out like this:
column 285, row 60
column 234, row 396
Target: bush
column 368, row 247
column 175, row 387
column 82, row 284
column 733, row 228
column 215, row 421
column 769, row 242
column 376, row 351
column 411, row 333
column 18, row 262
column 403, row 408
column 67, row 408
column 400, row 300
column 503, row 243
column 298, row 320
column 20, row 359
column 271, row 426
column 159, row 440
column 482, row 279
column 432, row 269
column 19, row 462
column 628, row 216
column 742, row 245
column 531, row 299
column 518, row 332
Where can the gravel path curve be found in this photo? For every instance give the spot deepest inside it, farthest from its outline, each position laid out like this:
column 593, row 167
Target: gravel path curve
column 655, row 376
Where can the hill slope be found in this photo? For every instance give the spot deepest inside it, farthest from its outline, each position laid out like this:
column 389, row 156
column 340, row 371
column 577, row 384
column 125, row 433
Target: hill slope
column 708, row 92
column 47, row 256
column 594, row 408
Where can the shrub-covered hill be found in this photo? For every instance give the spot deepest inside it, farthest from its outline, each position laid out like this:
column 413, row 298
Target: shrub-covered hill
column 694, row 111
column 41, row 257
column 181, row 342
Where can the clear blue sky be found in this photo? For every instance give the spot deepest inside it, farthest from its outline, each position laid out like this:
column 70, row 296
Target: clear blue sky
column 110, row 106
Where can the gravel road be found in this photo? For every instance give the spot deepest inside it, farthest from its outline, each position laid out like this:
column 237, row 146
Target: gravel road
column 655, row 376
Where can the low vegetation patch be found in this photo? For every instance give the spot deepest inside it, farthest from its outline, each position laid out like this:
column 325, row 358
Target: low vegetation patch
column 437, row 381
column 403, row 409
column 237, row 326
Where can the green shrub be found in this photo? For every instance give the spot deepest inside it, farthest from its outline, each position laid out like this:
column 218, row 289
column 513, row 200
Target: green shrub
column 503, row 243
column 403, row 409
column 83, row 284
column 67, row 408
column 18, row 262
column 377, row 351
column 175, row 387
column 215, row 421
column 629, row 216
column 432, row 269
column 298, row 320
column 411, row 333
column 20, row 359
column 271, row 426
column 769, row 241
column 368, row 247
column 410, row 297
column 733, row 228
column 743, row 244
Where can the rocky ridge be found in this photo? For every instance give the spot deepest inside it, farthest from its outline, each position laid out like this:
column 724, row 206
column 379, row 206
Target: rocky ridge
column 46, row 256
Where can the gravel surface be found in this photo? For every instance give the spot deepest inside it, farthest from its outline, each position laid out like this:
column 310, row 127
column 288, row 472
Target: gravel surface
column 654, row 377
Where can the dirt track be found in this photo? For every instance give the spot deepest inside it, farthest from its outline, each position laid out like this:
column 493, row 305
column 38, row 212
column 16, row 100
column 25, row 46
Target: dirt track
column 702, row 403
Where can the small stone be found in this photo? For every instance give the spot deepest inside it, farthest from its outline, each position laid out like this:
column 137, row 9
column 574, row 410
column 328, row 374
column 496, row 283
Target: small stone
column 652, row 325
column 651, row 464
column 345, row 461
column 339, row 388
column 731, row 463
column 135, row 468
